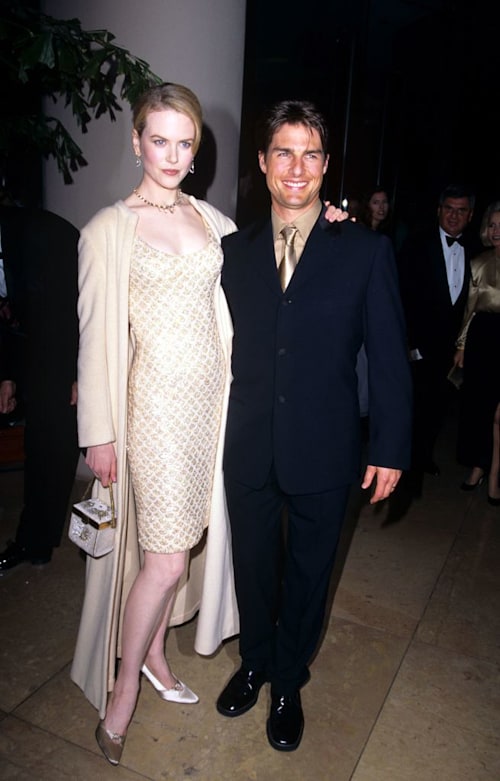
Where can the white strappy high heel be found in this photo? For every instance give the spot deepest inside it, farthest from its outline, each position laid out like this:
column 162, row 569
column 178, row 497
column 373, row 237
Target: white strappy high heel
column 178, row 693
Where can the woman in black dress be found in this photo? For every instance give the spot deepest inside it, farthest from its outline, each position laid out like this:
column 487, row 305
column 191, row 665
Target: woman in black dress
column 478, row 352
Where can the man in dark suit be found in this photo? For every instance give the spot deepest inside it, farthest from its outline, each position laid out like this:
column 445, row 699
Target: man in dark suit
column 434, row 272
column 293, row 427
column 38, row 366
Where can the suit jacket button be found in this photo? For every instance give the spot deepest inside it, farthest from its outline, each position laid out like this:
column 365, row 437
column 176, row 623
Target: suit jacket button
column 281, row 399
column 281, row 351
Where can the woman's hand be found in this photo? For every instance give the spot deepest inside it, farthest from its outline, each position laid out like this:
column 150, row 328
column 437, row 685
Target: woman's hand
column 458, row 359
column 333, row 214
column 102, row 461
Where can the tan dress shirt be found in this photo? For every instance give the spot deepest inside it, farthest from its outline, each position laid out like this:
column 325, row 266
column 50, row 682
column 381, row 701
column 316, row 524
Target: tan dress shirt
column 304, row 224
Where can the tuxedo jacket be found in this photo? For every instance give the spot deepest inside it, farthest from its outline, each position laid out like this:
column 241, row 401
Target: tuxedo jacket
column 40, row 255
column 293, row 400
column 433, row 321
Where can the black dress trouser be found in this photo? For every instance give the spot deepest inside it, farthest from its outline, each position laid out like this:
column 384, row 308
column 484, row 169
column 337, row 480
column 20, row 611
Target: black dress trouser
column 432, row 394
column 282, row 574
column 51, row 457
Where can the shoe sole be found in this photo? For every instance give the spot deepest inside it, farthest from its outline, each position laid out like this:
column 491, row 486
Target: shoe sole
column 280, row 746
column 239, row 712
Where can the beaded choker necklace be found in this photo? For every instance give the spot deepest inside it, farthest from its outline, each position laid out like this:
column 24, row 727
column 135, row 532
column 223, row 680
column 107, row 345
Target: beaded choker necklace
column 163, row 207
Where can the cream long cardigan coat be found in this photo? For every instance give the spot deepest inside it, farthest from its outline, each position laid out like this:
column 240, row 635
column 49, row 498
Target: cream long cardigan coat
column 104, row 359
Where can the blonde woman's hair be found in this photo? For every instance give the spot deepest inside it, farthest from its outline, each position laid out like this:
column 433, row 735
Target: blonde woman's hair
column 483, row 232
column 173, row 96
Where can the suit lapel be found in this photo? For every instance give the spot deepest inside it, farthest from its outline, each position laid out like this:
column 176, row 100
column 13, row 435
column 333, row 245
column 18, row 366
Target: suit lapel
column 261, row 256
column 439, row 269
column 317, row 253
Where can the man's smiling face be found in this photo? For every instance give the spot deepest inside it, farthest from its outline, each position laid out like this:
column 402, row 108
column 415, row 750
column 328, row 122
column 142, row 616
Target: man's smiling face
column 294, row 165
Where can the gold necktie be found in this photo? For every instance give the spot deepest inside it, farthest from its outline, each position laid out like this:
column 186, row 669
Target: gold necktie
column 289, row 260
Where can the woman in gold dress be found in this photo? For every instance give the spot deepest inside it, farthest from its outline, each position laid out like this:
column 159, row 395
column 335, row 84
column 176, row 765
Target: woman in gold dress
column 153, row 376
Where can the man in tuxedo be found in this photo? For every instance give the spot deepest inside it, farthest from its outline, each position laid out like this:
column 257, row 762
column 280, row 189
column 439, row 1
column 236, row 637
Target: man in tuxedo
column 293, row 427
column 38, row 366
column 434, row 272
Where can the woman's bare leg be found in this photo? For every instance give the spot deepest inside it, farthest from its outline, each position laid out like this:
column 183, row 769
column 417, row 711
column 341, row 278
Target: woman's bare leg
column 155, row 657
column 474, row 476
column 493, row 488
column 147, row 611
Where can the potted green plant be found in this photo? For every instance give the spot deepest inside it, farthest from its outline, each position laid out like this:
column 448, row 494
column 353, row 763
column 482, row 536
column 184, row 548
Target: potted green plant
column 43, row 57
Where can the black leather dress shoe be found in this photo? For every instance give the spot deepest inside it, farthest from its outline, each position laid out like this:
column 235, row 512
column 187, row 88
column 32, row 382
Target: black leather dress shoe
column 285, row 724
column 13, row 555
column 241, row 693
column 431, row 468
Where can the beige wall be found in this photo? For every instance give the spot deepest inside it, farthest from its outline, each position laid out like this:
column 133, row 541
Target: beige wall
column 199, row 43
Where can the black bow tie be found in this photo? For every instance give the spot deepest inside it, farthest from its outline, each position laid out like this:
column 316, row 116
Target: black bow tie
column 451, row 240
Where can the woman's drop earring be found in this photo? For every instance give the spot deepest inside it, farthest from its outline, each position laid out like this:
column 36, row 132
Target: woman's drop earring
column 191, row 170
column 138, row 162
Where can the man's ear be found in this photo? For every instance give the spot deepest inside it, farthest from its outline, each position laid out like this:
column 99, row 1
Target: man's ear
column 262, row 162
column 325, row 166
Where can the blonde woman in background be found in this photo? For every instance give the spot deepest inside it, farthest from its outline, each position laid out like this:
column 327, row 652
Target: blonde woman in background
column 479, row 354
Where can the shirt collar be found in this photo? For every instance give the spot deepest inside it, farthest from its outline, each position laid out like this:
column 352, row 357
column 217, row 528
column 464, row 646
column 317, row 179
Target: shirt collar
column 443, row 234
column 304, row 223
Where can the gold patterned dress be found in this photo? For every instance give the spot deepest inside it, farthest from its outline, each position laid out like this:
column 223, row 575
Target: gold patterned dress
column 176, row 386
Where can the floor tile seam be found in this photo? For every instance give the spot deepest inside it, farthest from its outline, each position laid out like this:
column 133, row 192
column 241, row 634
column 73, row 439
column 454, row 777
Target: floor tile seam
column 412, row 639
column 402, row 659
column 382, row 705
column 446, row 559
column 71, row 744
column 460, row 654
column 383, row 630
column 38, row 689
column 472, row 504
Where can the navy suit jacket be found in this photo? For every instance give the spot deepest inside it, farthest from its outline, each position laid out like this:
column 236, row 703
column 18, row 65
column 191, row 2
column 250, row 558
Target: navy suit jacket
column 294, row 401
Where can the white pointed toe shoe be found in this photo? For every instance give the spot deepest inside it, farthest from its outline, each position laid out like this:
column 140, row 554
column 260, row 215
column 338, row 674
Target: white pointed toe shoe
column 178, row 693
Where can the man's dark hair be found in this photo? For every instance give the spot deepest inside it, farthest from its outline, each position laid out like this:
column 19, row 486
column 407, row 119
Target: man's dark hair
column 290, row 112
column 458, row 191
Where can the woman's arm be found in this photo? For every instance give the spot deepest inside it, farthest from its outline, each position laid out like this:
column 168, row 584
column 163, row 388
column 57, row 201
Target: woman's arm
column 95, row 419
column 470, row 310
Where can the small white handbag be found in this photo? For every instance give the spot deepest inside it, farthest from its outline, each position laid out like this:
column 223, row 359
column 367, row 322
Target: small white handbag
column 92, row 525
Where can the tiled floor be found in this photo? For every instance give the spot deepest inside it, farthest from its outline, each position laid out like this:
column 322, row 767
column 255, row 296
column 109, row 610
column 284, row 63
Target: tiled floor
column 405, row 687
